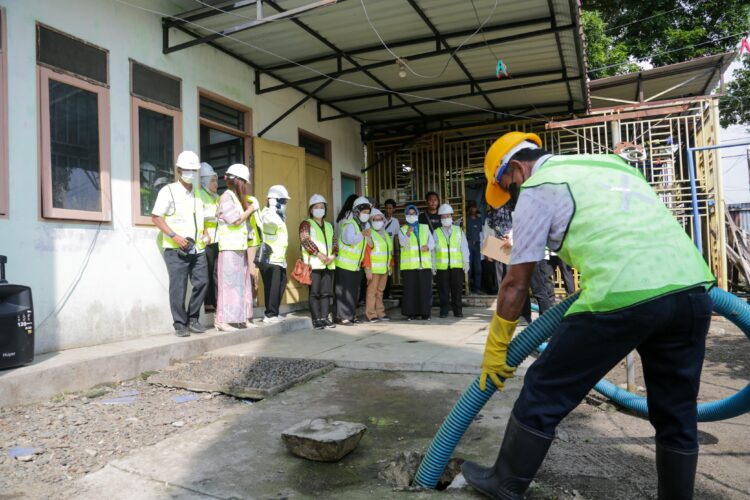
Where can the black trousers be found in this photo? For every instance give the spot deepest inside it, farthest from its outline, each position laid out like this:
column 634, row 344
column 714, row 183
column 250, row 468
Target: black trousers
column 542, row 287
column 347, row 293
column 670, row 335
column 565, row 271
column 321, row 291
column 212, row 253
column 180, row 269
column 417, row 298
column 450, row 286
column 274, row 284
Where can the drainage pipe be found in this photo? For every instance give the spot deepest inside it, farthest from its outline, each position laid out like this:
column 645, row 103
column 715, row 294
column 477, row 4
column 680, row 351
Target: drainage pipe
column 473, row 399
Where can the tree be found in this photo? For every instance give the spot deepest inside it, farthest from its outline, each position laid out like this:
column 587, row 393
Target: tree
column 605, row 56
column 734, row 107
column 661, row 32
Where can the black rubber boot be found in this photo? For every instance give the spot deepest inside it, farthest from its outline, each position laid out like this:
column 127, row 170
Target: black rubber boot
column 676, row 472
column 522, row 452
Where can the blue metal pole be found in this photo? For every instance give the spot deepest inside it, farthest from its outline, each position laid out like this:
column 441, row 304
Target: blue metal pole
column 694, row 198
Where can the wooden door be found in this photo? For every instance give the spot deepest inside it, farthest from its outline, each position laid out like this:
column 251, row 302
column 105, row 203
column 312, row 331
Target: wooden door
column 320, row 181
column 279, row 163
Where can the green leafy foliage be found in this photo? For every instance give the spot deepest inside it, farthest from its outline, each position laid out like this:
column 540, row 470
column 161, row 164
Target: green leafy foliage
column 661, row 32
column 734, row 106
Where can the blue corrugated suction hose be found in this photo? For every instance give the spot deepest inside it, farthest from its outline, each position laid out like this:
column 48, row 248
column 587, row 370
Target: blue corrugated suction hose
column 536, row 334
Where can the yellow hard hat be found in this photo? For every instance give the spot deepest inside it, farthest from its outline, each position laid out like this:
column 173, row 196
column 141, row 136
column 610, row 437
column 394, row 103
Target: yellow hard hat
column 496, row 196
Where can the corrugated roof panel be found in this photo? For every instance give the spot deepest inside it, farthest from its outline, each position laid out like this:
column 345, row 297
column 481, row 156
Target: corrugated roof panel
column 345, row 28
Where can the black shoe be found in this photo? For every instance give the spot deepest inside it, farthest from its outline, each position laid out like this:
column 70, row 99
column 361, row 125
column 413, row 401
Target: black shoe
column 459, row 315
column 182, row 332
column 329, row 324
column 345, row 322
column 373, row 320
column 411, row 318
column 356, row 321
column 426, row 318
column 676, row 472
column 385, row 318
column 521, row 454
column 443, row 315
column 319, row 324
column 196, row 327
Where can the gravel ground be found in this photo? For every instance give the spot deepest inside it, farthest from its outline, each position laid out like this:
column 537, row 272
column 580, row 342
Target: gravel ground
column 74, row 434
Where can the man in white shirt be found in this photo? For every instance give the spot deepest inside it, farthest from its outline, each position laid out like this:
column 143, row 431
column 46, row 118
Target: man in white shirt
column 178, row 214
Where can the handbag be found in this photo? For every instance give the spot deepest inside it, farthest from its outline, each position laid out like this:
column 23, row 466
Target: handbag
column 263, row 254
column 302, row 272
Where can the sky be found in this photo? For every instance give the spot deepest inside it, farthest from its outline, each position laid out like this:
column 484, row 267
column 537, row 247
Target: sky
column 734, row 160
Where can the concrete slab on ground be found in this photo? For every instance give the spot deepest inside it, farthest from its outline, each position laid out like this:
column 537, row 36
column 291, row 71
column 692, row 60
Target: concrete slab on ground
column 242, row 455
column 77, row 369
column 450, row 345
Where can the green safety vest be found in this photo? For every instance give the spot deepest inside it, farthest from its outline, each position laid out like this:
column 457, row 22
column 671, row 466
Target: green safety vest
column 380, row 255
column 186, row 219
column 412, row 257
column 322, row 240
column 277, row 237
column 350, row 256
column 448, row 252
column 232, row 236
column 210, row 206
column 626, row 245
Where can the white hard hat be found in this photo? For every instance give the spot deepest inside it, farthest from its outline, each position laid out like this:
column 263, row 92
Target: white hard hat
column 362, row 200
column 315, row 199
column 445, row 209
column 279, row 192
column 206, row 170
column 374, row 212
column 187, row 160
column 239, row 170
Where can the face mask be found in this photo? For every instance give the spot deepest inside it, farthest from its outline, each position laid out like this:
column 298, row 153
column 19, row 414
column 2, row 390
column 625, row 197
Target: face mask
column 364, row 217
column 188, row 176
column 514, row 191
column 411, row 219
column 377, row 225
column 446, row 222
column 318, row 213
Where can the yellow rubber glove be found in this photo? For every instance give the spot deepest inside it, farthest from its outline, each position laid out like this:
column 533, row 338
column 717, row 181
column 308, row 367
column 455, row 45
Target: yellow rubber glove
column 494, row 364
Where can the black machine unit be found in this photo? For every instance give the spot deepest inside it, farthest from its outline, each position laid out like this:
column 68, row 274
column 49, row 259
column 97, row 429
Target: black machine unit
column 16, row 322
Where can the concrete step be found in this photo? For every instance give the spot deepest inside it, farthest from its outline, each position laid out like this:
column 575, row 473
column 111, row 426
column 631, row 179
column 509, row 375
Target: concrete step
column 77, row 369
column 486, row 301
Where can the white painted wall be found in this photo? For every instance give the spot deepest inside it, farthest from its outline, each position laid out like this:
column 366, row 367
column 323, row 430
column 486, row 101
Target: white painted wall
column 119, row 291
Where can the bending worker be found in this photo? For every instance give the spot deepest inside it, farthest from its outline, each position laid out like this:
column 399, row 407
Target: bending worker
column 643, row 286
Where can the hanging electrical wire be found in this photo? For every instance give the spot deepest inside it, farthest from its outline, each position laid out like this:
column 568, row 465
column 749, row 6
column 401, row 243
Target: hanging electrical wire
column 325, row 75
column 403, row 60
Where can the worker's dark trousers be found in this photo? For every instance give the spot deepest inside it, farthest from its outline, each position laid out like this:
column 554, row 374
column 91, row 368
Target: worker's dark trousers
column 670, row 336
column 180, row 269
column 450, row 284
column 274, row 285
column 542, row 287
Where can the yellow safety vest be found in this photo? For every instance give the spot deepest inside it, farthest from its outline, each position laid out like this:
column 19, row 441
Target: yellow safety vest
column 448, row 252
column 210, row 206
column 277, row 237
column 380, row 255
column 232, row 236
column 323, row 240
column 186, row 219
column 253, row 237
column 350, row 257
column 411, row 256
